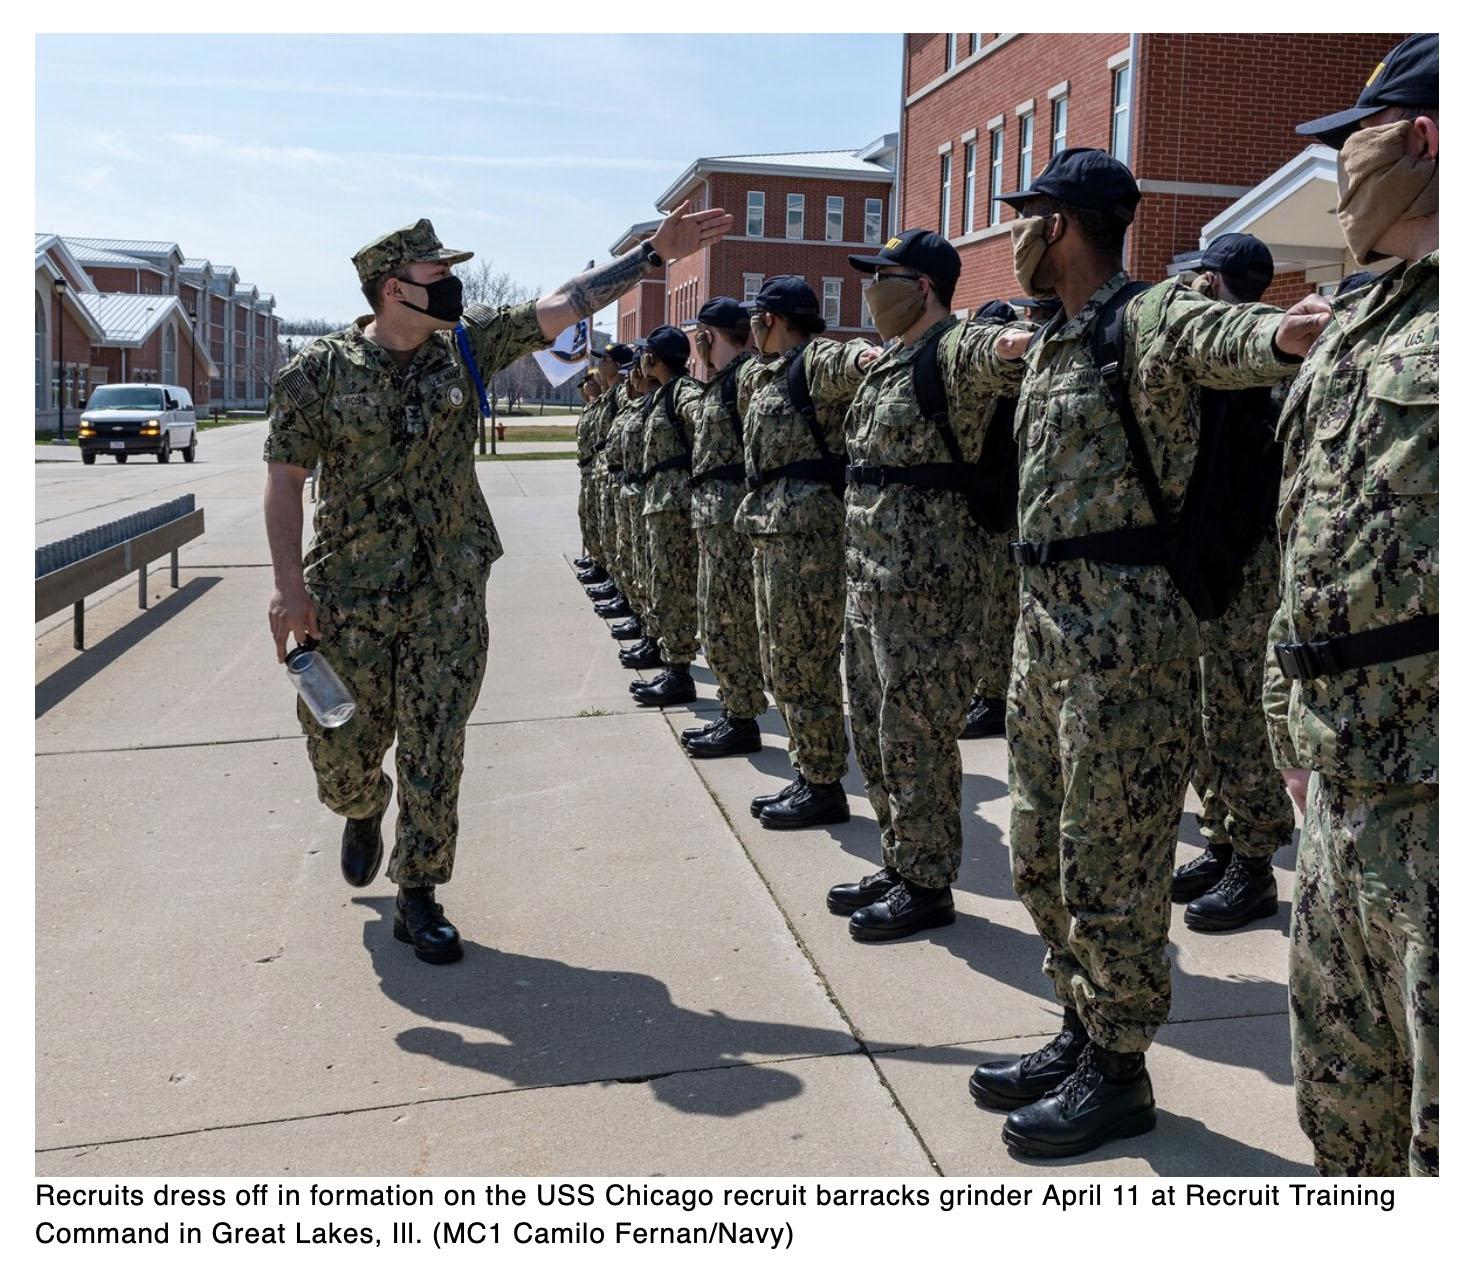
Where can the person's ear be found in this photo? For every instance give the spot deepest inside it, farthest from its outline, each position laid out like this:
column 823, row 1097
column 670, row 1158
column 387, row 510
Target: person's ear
column 1425, row 138
column 1055, row 229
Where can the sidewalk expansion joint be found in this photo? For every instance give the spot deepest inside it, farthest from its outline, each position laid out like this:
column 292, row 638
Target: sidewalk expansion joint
column 92, row 1144
column 828, row 990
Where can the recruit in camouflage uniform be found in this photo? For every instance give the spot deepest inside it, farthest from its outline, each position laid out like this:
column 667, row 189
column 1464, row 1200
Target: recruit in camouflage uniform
column 796, row 528
column 633, row 541
column 999, row 621
column 917, row 596
column 673, row 555
column 1359, row 529
column 1102, row 706
column 591, row 424
column 403, row 546
column 725, row 595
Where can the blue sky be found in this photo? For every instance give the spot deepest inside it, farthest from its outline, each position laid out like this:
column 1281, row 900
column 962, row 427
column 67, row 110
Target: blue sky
column 282, row 155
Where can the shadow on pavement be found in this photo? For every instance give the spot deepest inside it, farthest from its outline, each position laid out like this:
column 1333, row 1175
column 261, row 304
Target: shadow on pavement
column 65, row 681
column 564, row 1024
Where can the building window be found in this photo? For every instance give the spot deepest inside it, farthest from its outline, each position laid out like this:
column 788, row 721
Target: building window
column 750, row 285
column 945, row 194
column 834, row 228
column 794, row 215
column 1024, row 151
column 994, row 180
column 170, row 352
column 951, row 41
column 1119, row 136
column 866, row 319
column 756, row 214
column 975, row 45
column 832, row 291
column 41, row 350
column 873, row 220
column 1060, row 125
column 968, row 200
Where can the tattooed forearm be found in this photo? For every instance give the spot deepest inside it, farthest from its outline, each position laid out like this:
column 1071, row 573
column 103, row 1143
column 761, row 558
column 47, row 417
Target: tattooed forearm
column 590, row 292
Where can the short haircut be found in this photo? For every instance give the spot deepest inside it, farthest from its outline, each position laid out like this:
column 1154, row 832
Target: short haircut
column 373, row 288
column 1104, row 233
column 739, row 331
column 1242, row 287
column 943, row 291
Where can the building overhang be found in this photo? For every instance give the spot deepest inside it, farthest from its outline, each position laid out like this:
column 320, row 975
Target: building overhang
column 1293, row 212
column 703, row 168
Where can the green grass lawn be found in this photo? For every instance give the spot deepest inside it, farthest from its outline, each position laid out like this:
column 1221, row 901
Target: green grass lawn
column 541, row 432
column 522, row 455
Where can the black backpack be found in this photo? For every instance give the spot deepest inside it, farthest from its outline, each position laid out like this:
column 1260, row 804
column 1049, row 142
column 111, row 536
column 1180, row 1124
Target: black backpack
column 989, row 484
column 1232, row 494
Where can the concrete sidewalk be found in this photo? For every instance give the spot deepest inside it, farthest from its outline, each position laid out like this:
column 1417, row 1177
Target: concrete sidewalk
column 652, row 983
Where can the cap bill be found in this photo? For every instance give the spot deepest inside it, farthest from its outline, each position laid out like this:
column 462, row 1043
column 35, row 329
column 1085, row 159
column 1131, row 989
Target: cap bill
column 1333, row 129
column 871, row 262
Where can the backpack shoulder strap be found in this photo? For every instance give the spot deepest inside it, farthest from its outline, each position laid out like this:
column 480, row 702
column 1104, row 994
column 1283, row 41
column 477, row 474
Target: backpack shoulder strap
column 673, row 415
column 930, row 395
column 729, row 389
column 802, row 400
column 1108, row 350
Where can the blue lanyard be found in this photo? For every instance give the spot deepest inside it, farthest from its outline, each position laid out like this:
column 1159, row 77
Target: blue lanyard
column 463, row 342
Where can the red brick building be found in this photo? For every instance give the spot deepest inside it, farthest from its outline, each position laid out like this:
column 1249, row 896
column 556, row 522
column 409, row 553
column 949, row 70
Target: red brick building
column 1205, row 122
column 640, row 310
column 132, row 309
column 800, row 213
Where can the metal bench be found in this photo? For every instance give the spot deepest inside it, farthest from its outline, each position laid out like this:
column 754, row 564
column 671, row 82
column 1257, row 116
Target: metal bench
column 69, row 571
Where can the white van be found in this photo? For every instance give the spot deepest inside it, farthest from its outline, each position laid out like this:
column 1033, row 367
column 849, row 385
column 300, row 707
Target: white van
column 130, row 419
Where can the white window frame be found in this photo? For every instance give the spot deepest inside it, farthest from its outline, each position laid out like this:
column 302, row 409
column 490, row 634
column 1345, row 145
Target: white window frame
column 1026, row 130
column 968, row 187
column 833, row 206
column 995, row 175
column 836, row 320
column 874, row 208
column 797, row 203
column 952, row 48
column 750, row 285
column 756, row 201
column 1121, row 86
column 866, row 319
column 945, row 195
column 975, row 45
column 1060, row 115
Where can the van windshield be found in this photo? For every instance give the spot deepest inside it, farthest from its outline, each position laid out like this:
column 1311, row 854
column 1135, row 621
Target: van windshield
column 126, row 397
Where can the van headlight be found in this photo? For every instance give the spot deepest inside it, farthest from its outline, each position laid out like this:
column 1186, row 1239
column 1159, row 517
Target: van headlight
column 150, row 429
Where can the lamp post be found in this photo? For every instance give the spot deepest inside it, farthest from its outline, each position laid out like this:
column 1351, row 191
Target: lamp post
column 193, row 317
column 58, row 286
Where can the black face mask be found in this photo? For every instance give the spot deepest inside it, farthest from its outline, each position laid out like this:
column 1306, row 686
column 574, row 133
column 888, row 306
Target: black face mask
column 446, row 299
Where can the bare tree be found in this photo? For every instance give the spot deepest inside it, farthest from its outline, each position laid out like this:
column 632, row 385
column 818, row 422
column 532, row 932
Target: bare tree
column 309, row 326
column 484, row 284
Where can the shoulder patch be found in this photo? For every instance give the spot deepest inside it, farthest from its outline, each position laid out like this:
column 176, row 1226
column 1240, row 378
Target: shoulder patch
column 296, row 386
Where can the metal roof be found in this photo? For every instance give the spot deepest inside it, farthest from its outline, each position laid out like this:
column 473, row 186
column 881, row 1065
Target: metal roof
column 126, row 318
column 89, row 255
column 832, row 164
column 195, row 264
column 130, row 246
column 637, row 231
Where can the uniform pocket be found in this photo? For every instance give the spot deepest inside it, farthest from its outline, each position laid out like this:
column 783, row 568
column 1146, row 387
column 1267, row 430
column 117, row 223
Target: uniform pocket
column 1402, row 456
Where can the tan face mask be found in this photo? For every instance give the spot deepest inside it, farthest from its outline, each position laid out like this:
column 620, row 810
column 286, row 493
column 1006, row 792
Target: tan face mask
column 759, row 330
column 1029, row 245
column 895, row 304
column 1380, row 185
column 1202, row 286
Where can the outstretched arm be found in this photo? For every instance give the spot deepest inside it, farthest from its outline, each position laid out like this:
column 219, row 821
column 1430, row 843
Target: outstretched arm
column 679, row 234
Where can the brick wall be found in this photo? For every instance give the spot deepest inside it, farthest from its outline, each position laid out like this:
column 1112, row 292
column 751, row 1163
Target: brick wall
column 135, row 281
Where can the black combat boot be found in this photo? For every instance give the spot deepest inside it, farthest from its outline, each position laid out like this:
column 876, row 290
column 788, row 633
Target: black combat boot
column 643, row 656
column 674, row 687
column 584, row 562
column 602, row 591
column 362, row 849
column 732, row 736
column 1108, row 1096
column 1200, row 874
column 1248, row 891
column 986, row 717
column 1014, row 1083
column 844, row 898
column 700, row 730
column 628, row 629
column 419, row 920
column 813, row 804
column 902, row 911
column 593, row 574
column 618, row 607
column 766, row 800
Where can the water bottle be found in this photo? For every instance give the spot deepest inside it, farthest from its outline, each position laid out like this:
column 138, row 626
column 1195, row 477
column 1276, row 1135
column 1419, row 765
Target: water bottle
column 318, row 686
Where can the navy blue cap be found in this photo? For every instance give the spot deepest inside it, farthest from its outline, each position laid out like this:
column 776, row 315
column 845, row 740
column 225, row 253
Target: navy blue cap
column 1409, row 76
column 790, row 296
column 1085, row 178
column 1044, row 307
column 622, row 354
column 997, row 311
column 1239, row 255
column 1353, row 282
column 670, row 345
column 722, row 312
column 922, row 250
